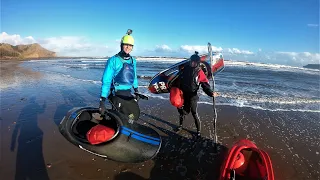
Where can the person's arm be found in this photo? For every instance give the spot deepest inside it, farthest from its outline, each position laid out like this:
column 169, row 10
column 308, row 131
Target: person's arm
column 205, row 83
column 107, row 77
column 135, row 81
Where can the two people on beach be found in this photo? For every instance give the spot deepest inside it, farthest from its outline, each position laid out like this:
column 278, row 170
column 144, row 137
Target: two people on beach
column 120, row 77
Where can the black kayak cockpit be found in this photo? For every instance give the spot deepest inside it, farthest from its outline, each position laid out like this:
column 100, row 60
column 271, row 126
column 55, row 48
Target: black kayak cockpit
column 85, row 121
column 131, row 142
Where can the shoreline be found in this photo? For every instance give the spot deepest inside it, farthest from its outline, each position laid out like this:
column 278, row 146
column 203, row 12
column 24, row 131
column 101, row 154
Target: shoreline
column 84, row 57
column 179, row 156
column 32, row 147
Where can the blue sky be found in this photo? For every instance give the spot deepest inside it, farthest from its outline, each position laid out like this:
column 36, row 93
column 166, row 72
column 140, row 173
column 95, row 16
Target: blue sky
column 252, row 30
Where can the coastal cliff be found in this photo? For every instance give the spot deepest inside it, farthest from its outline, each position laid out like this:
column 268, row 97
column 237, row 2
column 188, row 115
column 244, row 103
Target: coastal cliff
column 21, row 52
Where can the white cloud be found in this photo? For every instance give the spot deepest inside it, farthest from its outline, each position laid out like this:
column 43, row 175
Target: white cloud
column 81, row 46
column 201, row 49
column 15, row 39
column 63, row 45
column 182, row 51
column 299, row 58
column 163, row 48
column 237, row 51
column 287, row 53
column 74, row 46
column 312, row 25
column 188, row 50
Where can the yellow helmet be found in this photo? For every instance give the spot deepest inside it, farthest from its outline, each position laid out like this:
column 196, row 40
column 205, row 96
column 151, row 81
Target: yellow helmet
column 128, row 39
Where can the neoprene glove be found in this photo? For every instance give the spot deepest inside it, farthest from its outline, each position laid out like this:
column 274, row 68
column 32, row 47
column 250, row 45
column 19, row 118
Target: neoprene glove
column 102, row 107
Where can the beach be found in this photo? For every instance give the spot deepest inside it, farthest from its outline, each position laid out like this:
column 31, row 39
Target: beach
column 34, row 102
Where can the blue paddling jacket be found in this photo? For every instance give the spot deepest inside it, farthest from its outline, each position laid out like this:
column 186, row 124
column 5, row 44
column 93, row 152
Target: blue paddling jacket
column 119, row 74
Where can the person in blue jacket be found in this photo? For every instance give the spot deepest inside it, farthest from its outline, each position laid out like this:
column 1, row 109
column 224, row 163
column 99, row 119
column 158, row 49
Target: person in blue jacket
column 118, row 80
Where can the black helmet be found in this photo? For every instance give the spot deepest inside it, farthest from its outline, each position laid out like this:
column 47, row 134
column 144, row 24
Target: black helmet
column 195, row 57
column 195, row 60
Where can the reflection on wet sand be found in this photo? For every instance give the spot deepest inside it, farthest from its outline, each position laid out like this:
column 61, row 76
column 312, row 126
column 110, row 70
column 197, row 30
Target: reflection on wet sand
column 28, row 136
column 12, row 74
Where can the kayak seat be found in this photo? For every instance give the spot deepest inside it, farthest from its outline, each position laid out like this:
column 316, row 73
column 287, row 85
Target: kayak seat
column 83, row 125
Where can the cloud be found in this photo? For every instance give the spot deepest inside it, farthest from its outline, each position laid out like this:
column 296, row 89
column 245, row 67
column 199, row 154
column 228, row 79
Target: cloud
column 299, row 58
column 63, row 45
column 201, row 49
column 163, row 48
column 182, row 51
column 74, row 46
column 312, row 25
column 186, row 50
column 237, row 51
column 82, row 46
column 204, row 49
column 15, row 39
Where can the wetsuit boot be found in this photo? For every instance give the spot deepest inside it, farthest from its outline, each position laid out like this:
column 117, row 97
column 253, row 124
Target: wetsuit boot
column 197, row 123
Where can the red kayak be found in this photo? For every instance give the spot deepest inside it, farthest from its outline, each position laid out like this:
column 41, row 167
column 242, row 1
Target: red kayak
column 245, row 161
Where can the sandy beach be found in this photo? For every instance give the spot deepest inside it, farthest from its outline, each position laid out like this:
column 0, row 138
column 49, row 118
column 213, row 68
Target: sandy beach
column 32, row 105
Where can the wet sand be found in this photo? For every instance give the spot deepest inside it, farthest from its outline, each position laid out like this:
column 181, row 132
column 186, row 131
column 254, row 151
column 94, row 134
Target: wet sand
column 32, row 147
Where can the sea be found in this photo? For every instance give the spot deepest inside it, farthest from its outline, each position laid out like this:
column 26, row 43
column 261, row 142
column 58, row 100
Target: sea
column 243, row 84
column 276, row 106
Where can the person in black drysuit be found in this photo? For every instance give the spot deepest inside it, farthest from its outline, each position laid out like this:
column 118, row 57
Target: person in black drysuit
column 190, row 79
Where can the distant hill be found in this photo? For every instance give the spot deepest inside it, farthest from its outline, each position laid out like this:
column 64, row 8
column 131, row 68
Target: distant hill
column 21, row 52
column 312, row 66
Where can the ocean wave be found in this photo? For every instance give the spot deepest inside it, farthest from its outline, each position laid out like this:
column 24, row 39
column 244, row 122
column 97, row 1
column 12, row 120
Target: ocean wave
column 95, row 61
column 238, row 104
column 90, row 80
column 61, row 77
column 259, row 107
column 84, row 66
column 159, row 59
column 271, row 66
column 256, row 98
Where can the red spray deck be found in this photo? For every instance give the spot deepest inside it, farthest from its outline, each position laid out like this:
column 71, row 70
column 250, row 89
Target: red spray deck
column 245, row 161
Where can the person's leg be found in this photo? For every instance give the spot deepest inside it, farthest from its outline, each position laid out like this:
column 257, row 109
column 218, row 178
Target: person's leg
column 183, row 111
column 126, row 105
column 181, row 119
column 194, row 106
column 131, row 109
column 115, row 102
